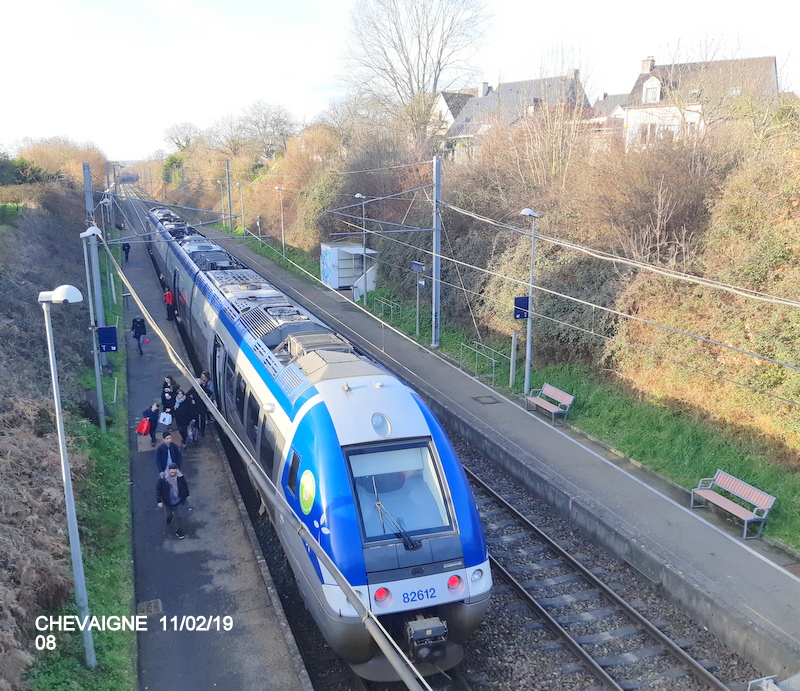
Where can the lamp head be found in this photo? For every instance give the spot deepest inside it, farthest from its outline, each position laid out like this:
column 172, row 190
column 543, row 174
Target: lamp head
column 529, row 212
column 280, row 189
column 91, row 230
column 61, row 295
column 360, row 196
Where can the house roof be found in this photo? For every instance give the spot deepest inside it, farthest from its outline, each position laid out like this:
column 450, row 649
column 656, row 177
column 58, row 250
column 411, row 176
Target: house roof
column 456, row 100
column 603, row 107
column 511, row 101
column 700, row 82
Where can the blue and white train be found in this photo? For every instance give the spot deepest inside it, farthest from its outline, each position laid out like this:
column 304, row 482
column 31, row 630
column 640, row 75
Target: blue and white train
column 358, row 456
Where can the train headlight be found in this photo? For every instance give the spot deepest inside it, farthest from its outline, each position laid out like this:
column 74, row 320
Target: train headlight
column 477, row 574
column 381, row 425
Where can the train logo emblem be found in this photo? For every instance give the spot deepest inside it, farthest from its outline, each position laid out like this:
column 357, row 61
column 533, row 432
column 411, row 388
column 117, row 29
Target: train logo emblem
column 308, row 491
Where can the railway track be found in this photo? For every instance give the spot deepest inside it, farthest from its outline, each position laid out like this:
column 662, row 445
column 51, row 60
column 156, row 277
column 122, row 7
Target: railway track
column 609, row 638
column 611, row 644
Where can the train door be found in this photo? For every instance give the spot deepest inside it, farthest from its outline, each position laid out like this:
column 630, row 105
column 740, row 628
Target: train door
column 218, row 372
column 181, row 299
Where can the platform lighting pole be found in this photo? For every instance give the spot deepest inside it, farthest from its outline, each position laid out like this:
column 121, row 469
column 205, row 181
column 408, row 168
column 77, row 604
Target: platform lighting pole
column 283, row 236
column 364, row 241
column 101, row 409
column 222, row 202
column 258, row 225
column 529, row 334
column 59, row 296
column 436, row 247
column 230, row 204
column 241, row 200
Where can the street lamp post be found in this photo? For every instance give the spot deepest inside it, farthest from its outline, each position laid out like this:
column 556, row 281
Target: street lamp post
column 258, row 225
column 364, row 242
column 241, row 200
column 101, row 408
column 59, row 296
column 283, row 236
column 528, row 343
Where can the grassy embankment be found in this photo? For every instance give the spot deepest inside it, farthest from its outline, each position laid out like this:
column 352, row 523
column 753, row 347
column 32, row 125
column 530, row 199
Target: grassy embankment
column 679, row 445
column 104, row 517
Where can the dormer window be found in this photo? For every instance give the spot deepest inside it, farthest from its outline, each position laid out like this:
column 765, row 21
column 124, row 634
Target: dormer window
column 651, row 91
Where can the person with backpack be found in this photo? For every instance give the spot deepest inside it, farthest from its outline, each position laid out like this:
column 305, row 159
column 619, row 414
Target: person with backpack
column 139, row 331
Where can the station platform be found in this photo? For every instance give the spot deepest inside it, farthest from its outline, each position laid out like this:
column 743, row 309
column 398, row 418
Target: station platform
column 214, row 617
column 746, row 593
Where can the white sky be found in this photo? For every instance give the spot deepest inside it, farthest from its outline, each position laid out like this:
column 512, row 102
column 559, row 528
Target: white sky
column 119, row 73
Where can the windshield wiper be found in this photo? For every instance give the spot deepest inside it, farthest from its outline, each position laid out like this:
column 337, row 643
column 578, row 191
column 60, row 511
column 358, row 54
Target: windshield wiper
column 408, row 542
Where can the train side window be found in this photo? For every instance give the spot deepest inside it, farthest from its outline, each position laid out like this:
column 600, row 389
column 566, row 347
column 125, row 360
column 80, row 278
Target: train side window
column 266, row 452
column 230, row 383
column 251, row 426
column 241, row 385
column 294, row 467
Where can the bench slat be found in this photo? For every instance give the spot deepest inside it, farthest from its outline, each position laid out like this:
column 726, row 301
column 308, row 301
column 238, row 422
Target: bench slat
column 727, row 504
column 557, row 394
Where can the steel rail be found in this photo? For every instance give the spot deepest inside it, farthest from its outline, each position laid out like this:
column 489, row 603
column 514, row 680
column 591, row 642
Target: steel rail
column 681, row 655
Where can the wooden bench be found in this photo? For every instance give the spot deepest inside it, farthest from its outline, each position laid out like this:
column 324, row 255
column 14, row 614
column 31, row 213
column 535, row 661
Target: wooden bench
column 553, row 400
column 761, row 501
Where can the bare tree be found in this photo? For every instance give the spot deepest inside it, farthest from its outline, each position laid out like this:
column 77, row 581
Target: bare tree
column 182, row 135
column 402, row 52
column 269, row 127
column 230, row 136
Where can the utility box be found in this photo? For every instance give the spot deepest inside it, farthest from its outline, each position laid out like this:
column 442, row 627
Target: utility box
column 342, row 264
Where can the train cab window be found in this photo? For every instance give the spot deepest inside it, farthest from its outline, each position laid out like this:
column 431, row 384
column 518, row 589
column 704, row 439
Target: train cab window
column 241, row 386
column 398, row 490
column 294, row 467
column 251, row 426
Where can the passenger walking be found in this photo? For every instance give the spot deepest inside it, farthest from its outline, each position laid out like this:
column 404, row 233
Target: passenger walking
column 126, row 248
column 183, row 414
column 139, row 331
column 172, row 491
column 169, row 300
column 168, row 453
column 207, row 385
column 168, row 393
column 152, row 414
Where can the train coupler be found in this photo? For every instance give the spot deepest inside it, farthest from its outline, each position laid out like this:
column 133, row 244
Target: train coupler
column 426, row 639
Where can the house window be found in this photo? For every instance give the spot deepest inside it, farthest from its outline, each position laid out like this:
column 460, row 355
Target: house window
column 651, row 92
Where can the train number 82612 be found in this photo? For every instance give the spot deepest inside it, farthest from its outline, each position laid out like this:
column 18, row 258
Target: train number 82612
column 419, row 595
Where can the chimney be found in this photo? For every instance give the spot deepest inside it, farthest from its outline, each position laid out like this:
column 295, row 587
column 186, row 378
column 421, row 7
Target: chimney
column 573, row 73
column 483, row 89
column 648, row 65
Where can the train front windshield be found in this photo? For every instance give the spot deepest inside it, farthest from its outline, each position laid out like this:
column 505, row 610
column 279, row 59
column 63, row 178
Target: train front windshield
column 399, row 491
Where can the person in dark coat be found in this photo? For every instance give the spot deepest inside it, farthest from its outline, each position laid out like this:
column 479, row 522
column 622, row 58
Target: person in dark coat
column 152, row 414
column 168, row 392
column 207, row 384
column 126, row 249
column 168, row 453
column 138, row 331
column 172, row 491
column 182, row 414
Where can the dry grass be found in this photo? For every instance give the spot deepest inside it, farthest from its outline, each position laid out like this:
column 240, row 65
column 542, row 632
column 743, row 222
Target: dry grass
column 41, row 252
